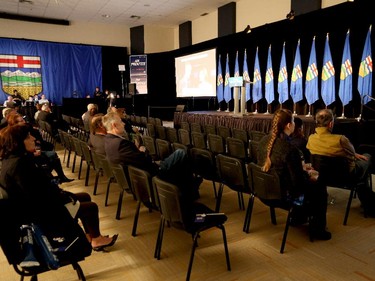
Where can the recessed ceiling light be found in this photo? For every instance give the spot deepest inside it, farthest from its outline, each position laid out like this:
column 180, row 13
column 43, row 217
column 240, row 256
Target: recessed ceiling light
column 146, row 5
column 204, row 14
column 135, row 17
column 106, row 16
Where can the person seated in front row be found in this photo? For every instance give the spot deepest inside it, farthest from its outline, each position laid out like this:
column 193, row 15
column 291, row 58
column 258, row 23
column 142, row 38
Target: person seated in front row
column 298, row 183
column 36, row 198
column 175, row 169
column 323, row 142
column 299, row 139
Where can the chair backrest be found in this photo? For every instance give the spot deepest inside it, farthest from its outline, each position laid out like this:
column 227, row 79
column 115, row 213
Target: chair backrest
column 203, row 163
column 241, row 134
column 232, row 173
column 210, row 129
column 256, row 135
column 143, row 121
column 107, row 168
column 77, row 146
column 224, row 132
column 172, row 135
column 149, row 143
column 151, row 120
column 216, row 144
column 158, row 121
column 151, row 131
column 333, row 171
column 177, row 145
column 141, row 183
column 96, row 160
column 185, row 125
column 198, row 140
column 169, row 201
column 122, row 177
column 265, row 186
column 184, row 137
column 253, row 151
column 161, row 132
column 195, row 127
column 236, row 148
column 86, row 152
column 163, row 148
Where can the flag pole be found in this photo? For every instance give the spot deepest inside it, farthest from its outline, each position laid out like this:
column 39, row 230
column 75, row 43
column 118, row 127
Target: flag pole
column 343, row 113
column 227, row 107
column 256, row 108
column 267, row 112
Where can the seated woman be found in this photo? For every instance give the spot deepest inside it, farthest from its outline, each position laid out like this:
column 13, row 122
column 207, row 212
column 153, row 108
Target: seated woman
column 298, row 182
column 35, row 196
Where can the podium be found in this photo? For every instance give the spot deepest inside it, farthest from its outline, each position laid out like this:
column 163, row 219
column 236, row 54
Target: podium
column 238, row 85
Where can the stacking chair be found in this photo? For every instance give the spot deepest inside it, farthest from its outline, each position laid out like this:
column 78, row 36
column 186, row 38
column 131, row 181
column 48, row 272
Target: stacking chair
column 177, row 145
column 69, row 145
column 256, row 135
column 172, row 135
column 266, row 187
column 63, row 142
column 69, row 230
column 163, row 148
column 98, row 169
column 198, row 140
column 232, row 173
column 151, row 131
column 151, row 120
column 224, row 132
column 185, row 125
column 161, row 132
column 108, row 172
column 122, row 179
column 334, row 172
column 143, row 121
column 184, row 137
column 204, row 165
column 173, row 211
column 195, row 127
column 141, row 184
column 149, row 143
column 253, row 151
column 88, row 158
column 209, row 129
column 77, row 152
column 241, row 134
column 158, row 122
column 236, row 148
column 216, row 144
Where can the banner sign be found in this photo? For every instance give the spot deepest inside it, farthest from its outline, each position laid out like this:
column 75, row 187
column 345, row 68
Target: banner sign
column 138, row 72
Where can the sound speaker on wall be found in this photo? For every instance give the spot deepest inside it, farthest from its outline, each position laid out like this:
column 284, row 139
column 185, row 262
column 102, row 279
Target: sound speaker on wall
column 180, row 108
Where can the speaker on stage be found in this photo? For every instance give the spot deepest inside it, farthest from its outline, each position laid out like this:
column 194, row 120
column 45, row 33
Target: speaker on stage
column 180, row 108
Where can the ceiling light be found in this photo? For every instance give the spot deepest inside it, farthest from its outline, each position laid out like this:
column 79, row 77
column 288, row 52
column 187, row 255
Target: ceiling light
column 135, row 17
column 291, row 15
column 247, row 29
column 106, row 16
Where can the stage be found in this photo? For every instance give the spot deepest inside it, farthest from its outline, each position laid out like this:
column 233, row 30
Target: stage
column 356, row 131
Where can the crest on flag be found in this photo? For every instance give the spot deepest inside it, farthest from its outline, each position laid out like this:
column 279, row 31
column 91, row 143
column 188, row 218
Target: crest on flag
column 21, row 73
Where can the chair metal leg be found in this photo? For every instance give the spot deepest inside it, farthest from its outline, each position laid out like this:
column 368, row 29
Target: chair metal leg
column 87, row 174
column 78, row 269
column 196, row 235
column 96, row 181
column 273, row 215
column 135, row 223
column 241, row 203
column 249, row 211
column 352, row 191
column 159, row 239
column 119, row 204
column 214, row 186
column 225, row 247
column 218, row 199
column 107, row 192
column 74, row 162
column 80, row 168
column 285, row 232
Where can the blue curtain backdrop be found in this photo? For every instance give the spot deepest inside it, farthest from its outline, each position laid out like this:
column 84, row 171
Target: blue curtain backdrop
column 68, row 70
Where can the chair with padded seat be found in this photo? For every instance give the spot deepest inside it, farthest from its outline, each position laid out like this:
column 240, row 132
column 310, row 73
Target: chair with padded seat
column 198, row 140
column 123, row 181
column 163, row 148
column 256, row 135
column 88, row 158
column 66, row 227
column 172, row 135
column 185, row 125
column 204, row 165
column 184, row 137
column 334, row 172
column 253, row 151
column 236, row 148
column 266, row 187
column 194, row 220
column 158, row 121
column 98, row 169
column 232, row 173
column 209, row 129
column 150, row 130
column 108, row 173
column 149, row 143
column 216, row 144
column 195, row 127
column 161, row 132
column 77, row 152
column 224, row 132
column 141, row 184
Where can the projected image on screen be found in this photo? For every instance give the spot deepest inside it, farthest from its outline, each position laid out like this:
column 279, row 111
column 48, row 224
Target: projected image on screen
column 196, row 74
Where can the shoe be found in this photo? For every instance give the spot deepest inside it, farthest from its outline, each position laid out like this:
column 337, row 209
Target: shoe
column 101, row 248
column 322, row 235
column 65, row 179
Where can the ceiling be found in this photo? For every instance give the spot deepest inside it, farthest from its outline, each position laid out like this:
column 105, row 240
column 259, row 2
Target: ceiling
column 169, row 13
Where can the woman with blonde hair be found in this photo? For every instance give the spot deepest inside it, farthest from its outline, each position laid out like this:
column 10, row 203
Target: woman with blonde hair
column 298, row 183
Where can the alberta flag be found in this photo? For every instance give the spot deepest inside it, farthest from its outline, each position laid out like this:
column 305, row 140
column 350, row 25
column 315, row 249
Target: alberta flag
column 328, row 76
column 296, row 91
column 227, row 92
column 22, row 73
column 346, row 74
column 246, row 77
column 269, row 87
column 365, row 70
column 257, row 81
column 282, row 87
column 311, row 84
column 219, row 88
